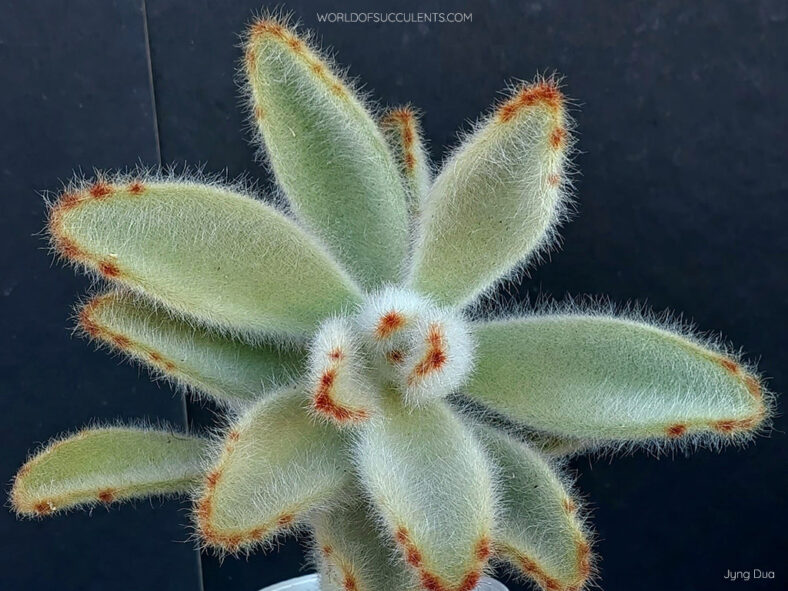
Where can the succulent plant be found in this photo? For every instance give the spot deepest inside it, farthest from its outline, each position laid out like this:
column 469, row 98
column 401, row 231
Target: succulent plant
column 373, row 397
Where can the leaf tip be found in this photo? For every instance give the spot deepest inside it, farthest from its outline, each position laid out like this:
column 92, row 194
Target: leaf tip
column 542, row 93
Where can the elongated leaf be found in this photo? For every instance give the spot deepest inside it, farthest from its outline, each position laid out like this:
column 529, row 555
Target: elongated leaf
column 429, row 479
column 402, row 132
column 277, row 463
column 538, row 530
column 203, row 251
column 497, row 199
column 228, row 370
column 352, row 554
column 600, row 377
column 327, row 153
column 104, row 465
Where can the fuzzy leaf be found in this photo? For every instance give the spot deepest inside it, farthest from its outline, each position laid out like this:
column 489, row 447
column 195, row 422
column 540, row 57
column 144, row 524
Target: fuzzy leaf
column 277, row 463
column 327, row 153
column 538, row 530
column 497, row 199
column 607, row 378
column 402, row 132
column 107, row 464
column 352, row 554
column 231, row 372
column 204, row 251
column 428, row 477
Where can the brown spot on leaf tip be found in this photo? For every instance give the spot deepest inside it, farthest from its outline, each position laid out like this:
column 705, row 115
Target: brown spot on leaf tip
column 324, row 404
column 43, row 508
column 728, row 426
column 296, row 44
column 327, row 550
column 542, row 93
column 232, row 541
column 434, row 358
column 109, row 269
column 337, row 89
column 407, row 135
column 336, row 354
column 86, row 321
column 212, row 478
column 106, row 496
column 285, row 519
column 99, row 190
column 553, row 180
column 676, row 430
column 413, row 556
column 136, row 188
column 267, row 27
column 257, row 533
column 569, row 505
column 729, row 364
column 483, row 549
column 68, row 248
column 403, row 121
column 557, row 137
column 389, row 323
column 399, row 116
column 233, row 435
column 349, row 583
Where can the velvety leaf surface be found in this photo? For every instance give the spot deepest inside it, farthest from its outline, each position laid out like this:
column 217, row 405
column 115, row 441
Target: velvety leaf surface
column 609, row 378
column 107, row 464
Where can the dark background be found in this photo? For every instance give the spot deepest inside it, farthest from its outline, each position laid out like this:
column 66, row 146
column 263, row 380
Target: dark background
column 682, row 202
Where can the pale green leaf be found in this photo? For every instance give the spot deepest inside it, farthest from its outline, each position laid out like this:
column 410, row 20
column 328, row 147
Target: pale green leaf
column 327, row 153
column 351, row 553
column 277, row 463
column 539, row 532
column 429, row 479
column 229, row 371
column 606, row 378
column 204, row 251
column 497, row 200
column 107, row 464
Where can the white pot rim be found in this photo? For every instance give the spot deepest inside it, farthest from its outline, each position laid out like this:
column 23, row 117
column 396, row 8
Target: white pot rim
column 309, row 583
